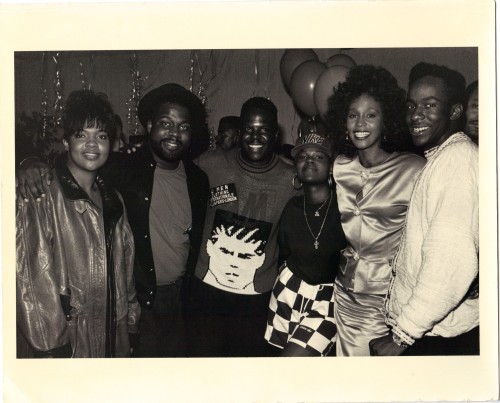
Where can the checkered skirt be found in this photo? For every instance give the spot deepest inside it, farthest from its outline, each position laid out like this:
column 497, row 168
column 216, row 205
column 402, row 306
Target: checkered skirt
column 301, row 313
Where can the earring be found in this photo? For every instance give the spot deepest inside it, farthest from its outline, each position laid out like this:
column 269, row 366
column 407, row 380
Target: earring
column 330, row 180
column 384, row 139
column 347, row 135
column 293, row 183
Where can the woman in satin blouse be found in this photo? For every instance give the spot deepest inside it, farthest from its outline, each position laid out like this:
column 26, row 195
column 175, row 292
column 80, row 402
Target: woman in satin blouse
column 375, row 178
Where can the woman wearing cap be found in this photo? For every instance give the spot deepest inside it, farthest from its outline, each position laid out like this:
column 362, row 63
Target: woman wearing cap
column 374, row 180
column 300, row 317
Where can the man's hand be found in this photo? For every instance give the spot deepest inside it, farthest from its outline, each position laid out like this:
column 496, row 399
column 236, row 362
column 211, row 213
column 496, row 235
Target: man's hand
column 30, row 177
column 385, row 346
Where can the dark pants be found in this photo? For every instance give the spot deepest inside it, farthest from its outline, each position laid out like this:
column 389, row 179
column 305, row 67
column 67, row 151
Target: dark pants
column 464, row 344
column 162, row 328
column 225, row 324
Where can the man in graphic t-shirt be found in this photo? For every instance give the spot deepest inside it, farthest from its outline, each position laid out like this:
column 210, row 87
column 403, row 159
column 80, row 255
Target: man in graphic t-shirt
column 237, row 265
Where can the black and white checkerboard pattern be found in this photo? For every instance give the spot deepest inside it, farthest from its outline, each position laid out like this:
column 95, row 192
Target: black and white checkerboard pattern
column 301, row 313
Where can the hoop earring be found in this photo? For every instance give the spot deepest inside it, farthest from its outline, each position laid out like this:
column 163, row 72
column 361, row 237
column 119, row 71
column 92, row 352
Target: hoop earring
column 330, row 181
column 293, row 183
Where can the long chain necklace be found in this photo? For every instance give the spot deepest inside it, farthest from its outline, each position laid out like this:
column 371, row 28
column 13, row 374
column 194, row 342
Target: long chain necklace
column 316, row 243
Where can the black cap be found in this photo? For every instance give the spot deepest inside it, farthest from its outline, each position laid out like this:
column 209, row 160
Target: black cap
column 229, row 122
column 313, row 140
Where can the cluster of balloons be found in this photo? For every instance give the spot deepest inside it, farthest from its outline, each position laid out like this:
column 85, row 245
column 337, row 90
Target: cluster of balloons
column 309, row 81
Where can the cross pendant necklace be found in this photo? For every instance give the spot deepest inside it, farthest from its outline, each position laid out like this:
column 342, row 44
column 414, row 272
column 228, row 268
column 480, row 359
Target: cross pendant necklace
column 316, row 244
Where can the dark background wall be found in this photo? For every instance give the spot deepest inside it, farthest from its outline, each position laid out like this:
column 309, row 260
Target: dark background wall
column 230, row 76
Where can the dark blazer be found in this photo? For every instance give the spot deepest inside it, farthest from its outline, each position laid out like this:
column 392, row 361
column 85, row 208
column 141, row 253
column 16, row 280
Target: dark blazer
column 132, row 175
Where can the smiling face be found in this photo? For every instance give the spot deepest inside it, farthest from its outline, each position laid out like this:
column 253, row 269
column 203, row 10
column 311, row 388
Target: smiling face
column 170, row 134
column 312, row 166
column 88, row 150
column 259, row 134
column 472, row 115
column 365, row 122
column 429, row 113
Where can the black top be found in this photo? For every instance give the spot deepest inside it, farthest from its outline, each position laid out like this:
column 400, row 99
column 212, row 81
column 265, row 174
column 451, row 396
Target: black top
column 314, row 266
column 133, row 175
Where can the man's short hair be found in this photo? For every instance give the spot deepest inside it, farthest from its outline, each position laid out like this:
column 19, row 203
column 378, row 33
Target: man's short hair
column 262, row 104
column 85, row 108
column 454, row 82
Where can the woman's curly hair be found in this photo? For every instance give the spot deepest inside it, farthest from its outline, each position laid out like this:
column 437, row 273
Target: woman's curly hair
column 381, row 85
column 88, row 108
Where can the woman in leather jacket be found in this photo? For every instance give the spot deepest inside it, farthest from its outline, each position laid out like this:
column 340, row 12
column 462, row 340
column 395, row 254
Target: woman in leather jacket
column 75, row 250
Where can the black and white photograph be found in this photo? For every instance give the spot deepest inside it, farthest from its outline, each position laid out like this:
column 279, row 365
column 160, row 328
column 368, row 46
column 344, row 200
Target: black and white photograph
column 250, row 218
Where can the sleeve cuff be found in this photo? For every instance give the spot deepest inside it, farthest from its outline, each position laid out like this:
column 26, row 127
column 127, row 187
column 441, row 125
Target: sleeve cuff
column 401, row 337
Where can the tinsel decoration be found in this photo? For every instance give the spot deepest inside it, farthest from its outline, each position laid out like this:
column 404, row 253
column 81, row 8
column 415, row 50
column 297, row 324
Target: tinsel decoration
column 44, row 107
column 58, row 91
column 191, row 71
column 268, row 72
column 195, row 62
column 213, row 145
column 83, row 78
column 258, row 75
column 44, row 100
column 256, row 71
column 201, row 87
column 37, row 134
column 135, row 96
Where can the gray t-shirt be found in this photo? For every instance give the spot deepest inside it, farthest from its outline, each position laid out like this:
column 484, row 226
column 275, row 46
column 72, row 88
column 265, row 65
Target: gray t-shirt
column 169, row 224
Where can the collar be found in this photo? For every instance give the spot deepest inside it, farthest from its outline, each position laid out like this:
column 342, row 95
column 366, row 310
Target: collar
column 434, row 150
column 250, row 168
column 72, row 191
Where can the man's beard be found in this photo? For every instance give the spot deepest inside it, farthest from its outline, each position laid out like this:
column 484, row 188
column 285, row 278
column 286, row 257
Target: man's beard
column 168, row 155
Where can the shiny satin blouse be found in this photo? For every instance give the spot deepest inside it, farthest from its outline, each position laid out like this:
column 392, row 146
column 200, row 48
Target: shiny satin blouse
column 373, row 204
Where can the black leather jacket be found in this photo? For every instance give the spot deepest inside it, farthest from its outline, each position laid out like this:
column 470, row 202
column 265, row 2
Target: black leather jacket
column 132, row 175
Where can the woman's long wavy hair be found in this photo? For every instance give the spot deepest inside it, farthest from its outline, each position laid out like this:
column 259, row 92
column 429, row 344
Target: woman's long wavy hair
column 381, row 85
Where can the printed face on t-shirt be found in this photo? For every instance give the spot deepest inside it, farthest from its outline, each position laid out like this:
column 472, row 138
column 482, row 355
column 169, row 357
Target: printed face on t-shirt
column 235, row 257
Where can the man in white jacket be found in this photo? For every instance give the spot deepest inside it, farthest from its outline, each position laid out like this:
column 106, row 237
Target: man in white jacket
column 433, row 305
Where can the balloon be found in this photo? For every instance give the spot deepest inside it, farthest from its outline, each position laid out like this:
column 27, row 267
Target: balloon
column 324, row 87
column 291, row 59
column 340, row 60
column 302, row 85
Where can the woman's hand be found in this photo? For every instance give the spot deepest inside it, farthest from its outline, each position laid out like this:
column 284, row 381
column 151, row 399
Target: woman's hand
column 385, row 346
column 30, row 177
